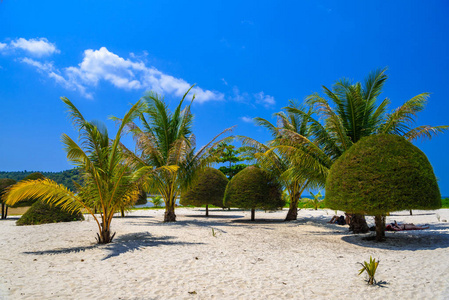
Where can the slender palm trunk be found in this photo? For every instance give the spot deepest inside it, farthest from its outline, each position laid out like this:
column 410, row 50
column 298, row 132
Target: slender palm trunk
column 105, row 236
column 122, row 212
column 358, row 224
column 253, row 214
column 207, row 210
column 169, row 215
column 4, row 211
column 292, row 213
column 380, row 227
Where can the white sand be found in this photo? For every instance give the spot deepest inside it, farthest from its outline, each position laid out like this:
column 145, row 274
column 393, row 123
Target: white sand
column 268, row 259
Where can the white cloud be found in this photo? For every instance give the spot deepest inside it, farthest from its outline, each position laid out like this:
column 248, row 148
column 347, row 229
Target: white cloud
column 239, row 97
column 266, row 100
column 52, row 72
column 246, row 119
column 3, row 46
column 103, row 65
column 37, row 47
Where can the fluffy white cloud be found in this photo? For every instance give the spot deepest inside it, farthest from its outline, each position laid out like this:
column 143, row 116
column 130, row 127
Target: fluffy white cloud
column 2, row 46
column 36, row 47
column 266, row 100
column 103, row 65
column 246, row 119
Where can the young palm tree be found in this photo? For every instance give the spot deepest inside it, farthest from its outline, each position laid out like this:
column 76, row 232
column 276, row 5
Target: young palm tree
column 349, row 112
column 109, row 183
column 166, row 139
column 292, row 174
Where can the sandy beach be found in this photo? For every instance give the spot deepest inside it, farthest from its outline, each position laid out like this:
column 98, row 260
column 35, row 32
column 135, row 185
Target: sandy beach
column 266, row 259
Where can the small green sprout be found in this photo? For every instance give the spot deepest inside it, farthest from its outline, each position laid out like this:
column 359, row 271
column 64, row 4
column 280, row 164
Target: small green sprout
column 370, row 269
column 214, row 234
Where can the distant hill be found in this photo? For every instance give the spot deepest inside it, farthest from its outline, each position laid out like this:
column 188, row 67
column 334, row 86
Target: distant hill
column 64, row 177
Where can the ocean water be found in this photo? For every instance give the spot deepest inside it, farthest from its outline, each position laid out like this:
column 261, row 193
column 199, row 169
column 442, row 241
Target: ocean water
column 149, row 204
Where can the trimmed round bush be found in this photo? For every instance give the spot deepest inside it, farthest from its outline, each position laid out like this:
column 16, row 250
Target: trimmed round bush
column 208, row 189
column 43, row 213
column 380, row 174
column 253, row 188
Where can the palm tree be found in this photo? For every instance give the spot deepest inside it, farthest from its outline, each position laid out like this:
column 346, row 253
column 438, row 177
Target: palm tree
column 278, row 161
column 166, row 139
column 349, row 111
column 109, row 183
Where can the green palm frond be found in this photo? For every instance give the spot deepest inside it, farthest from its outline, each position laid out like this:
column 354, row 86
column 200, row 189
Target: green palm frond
column 45, row 190
column 400, row 120
column 425, row 131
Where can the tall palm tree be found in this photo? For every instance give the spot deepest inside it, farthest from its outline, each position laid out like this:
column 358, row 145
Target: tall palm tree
column 292, row 174
column 166, row 139
column 348, row 112
column 109, row 183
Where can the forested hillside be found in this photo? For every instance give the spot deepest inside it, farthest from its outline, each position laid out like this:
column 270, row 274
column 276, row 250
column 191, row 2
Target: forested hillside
column 64, row 177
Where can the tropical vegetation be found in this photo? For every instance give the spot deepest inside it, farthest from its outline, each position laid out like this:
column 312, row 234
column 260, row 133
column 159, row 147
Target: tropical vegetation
column 42, row 213
column 66, row 178
column 109, row 184
column 346, row 113
column 4, row 184
column 278, row 160
column 380, row 174
column 166, row 139
column 228, row 155
column 208, row 189
column 254, row 188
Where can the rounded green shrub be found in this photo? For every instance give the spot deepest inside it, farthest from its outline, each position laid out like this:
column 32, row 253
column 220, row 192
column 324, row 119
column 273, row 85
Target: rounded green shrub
column 43, row 213
column 208, row 189
column 379, row 174
column 253, row 188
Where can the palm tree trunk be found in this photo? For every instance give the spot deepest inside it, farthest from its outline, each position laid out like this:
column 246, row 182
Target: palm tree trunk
column 105, row 235
column 358, row 224
column 207, row 210
column 380, row 227
column 292, row 213
column 253, row 214
column 122, row 213
column 169, row 215
column 3, row 211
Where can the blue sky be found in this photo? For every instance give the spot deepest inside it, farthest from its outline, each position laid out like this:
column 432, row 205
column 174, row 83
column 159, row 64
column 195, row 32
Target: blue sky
column 248, row 58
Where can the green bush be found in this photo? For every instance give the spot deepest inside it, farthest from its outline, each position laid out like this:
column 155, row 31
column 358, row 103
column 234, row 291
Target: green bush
column 43, row 213
column 380, row 174
column 209, row 189
column 253, row 188
column 142, row 198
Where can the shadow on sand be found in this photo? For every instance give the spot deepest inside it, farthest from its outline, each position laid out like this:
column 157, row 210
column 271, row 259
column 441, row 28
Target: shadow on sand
column 122, row 244
column 428, row 239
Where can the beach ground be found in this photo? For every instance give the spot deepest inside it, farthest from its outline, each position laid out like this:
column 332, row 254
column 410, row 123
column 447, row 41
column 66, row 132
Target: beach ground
column 224, row 256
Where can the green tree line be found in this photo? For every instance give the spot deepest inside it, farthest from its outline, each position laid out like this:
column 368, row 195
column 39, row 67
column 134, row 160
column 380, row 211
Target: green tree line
column 65, row 178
